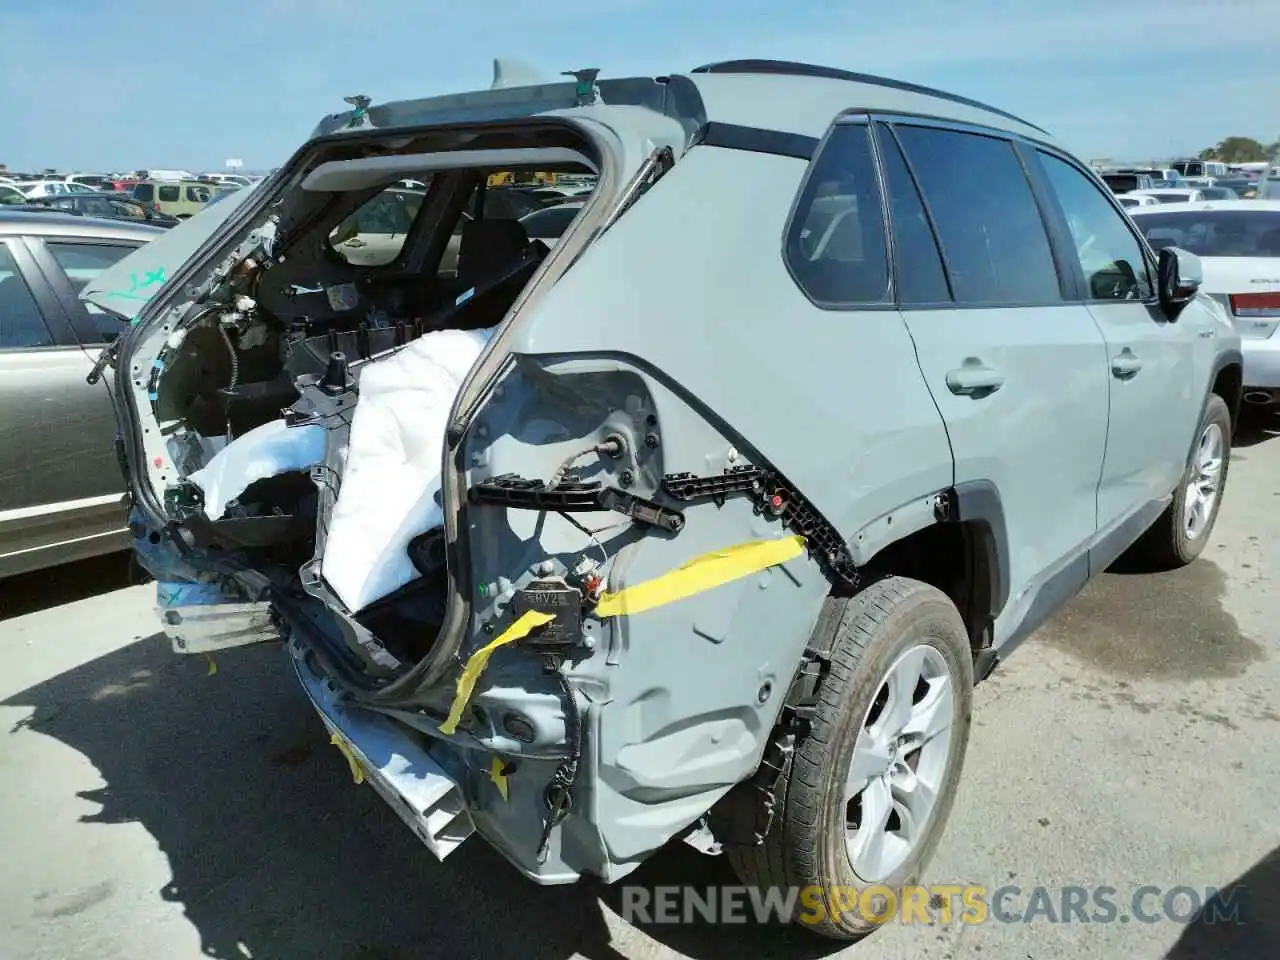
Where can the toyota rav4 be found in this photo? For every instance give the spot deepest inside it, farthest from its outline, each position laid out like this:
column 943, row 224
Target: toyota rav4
column 699, row 522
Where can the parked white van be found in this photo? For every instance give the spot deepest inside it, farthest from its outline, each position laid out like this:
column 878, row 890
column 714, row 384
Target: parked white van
column 1200, row 169
column 1269, row 185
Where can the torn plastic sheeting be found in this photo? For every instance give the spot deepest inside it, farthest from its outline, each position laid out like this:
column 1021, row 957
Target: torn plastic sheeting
column 394, row 455
column 266, row 451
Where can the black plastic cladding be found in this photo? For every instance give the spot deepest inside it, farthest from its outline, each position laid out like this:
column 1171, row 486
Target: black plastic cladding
column 789, row 68
column 517, row 493
column 775, row 496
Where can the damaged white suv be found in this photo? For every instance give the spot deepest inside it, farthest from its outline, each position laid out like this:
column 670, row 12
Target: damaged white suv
column 699, row 522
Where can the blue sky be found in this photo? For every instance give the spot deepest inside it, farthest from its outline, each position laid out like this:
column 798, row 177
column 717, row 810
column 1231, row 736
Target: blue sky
column 90, row 84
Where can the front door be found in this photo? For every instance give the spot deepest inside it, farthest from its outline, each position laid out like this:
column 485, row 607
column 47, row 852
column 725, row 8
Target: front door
column 1018, row 373
column 1154, row 391
column 70, row 263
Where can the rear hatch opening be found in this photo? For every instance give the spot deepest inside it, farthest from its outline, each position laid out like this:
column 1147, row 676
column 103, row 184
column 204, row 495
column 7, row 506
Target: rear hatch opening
column 291, row 403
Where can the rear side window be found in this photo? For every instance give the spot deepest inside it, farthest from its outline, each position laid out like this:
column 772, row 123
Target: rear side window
column 917, row 263
column 1110, row 255
column 198, row 194
column 144, row 191
column 169, row 194
column 835, row 243
column 81, row 262
column 20, row 322
column 374, row 234
column 993, row 238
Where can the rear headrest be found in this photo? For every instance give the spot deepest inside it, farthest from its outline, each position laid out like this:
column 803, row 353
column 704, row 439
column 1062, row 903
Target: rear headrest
column 486, row 246
column 1269, row 244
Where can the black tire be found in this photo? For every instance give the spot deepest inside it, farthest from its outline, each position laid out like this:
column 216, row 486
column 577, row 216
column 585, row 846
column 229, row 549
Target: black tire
column 806, row 846
column 1165, row 545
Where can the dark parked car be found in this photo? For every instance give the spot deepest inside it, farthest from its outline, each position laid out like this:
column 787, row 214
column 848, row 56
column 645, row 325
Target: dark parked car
column 1124, row 182
column 108, row 207
column 61, row 491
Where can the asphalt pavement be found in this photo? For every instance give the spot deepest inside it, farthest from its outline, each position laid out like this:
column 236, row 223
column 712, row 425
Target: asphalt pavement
column 154, row 807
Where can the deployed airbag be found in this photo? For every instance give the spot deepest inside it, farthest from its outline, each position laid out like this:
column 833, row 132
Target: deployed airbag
column 392, row 475
column 266, row 451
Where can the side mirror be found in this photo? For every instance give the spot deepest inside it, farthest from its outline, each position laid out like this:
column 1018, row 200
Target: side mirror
column 1180, row 276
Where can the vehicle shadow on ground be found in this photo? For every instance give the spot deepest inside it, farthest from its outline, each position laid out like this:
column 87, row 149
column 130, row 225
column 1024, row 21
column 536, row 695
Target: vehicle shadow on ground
column 1212, row 935
column 32, row 592
column 275, row 852
column 1255, row 427
column 679, row 865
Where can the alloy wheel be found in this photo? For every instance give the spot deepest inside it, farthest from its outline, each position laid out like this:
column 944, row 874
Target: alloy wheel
column 898, row 763
column 1204, row 482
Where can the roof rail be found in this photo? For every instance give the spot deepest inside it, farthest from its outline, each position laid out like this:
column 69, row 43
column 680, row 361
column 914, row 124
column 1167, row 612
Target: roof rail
column 792, row 69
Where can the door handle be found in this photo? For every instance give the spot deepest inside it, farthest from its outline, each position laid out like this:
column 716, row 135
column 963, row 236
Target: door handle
column 974, row 379
column 1125, row 364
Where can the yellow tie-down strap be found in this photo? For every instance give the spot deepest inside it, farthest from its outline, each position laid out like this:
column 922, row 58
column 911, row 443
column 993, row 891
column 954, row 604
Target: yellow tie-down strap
column 700, row 574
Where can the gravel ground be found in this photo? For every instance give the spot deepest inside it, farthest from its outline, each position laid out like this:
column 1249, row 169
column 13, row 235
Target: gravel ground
column 151, row 809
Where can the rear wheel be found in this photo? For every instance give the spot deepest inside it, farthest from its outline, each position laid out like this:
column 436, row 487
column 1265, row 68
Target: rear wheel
column 1180, row 533
column 873, row 781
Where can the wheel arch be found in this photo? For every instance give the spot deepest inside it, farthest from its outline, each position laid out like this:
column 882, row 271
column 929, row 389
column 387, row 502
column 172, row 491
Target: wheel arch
column 1227, row 381
column 963, row 550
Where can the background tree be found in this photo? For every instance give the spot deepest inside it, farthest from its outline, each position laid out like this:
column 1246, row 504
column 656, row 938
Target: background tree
column 1237, row 150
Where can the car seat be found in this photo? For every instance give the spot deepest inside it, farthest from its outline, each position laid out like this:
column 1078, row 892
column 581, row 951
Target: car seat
column 1268, row 245
column 487, row 247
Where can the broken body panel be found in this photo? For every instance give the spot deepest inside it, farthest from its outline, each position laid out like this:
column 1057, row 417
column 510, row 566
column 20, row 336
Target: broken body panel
column 629, row 473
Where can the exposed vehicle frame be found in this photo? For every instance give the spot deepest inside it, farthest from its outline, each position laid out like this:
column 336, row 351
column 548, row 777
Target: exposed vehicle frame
column 780, row 558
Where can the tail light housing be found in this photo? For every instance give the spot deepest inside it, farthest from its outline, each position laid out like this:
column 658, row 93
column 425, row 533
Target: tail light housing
column 1255, row 304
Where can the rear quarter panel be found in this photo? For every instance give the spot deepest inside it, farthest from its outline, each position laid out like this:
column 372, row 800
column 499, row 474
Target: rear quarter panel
column 687, row 309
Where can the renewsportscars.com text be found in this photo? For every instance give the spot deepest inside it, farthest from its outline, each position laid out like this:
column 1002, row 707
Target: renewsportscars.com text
column 938, row 903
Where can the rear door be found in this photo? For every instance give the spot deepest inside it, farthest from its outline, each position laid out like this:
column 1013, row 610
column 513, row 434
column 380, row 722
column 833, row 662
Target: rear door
column 1156, row 387
column 70, row 263
column 1017, row 370
column 54, row 504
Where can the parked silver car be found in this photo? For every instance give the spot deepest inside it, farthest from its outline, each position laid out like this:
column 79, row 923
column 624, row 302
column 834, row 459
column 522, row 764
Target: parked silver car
column 703, row 522
column 61, row 489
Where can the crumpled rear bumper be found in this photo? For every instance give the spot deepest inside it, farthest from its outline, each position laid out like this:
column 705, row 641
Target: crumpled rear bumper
column 384, row 755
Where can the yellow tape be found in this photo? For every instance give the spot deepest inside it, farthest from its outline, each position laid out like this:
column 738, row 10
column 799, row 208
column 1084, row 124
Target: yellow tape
column 527, row 622
column 357, row 771
column 213, row 667
column 498, row 774
column 702, row 573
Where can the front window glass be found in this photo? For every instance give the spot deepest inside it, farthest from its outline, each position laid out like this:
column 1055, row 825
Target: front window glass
column 1110, row 255
column 993, row 239
column 81, row 262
